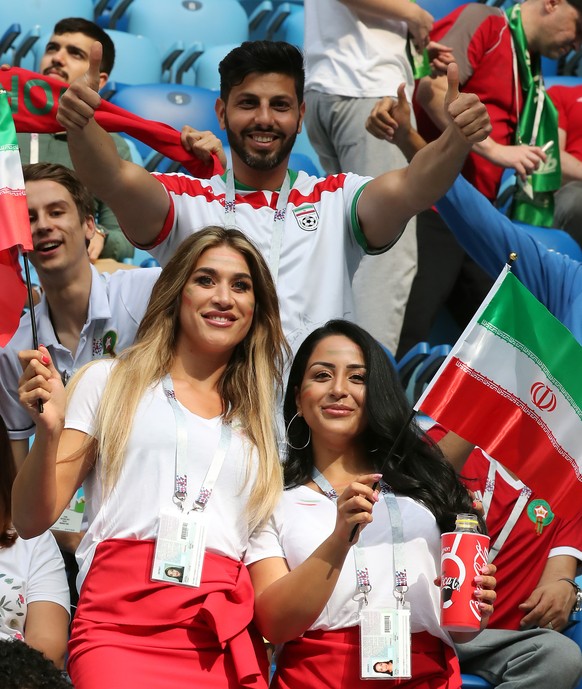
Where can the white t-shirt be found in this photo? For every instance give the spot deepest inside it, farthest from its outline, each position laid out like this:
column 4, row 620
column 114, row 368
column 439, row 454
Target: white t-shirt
column 117, row 304
column 304, row 519
column 322, row 242
column 346, row 56
column 30, row 571
column 146, row 483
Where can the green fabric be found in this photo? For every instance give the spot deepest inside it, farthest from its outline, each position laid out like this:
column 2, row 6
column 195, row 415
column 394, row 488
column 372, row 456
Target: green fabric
column 547, row 179
column 53, row 148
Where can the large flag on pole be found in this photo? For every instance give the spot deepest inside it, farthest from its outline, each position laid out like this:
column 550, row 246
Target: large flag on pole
column 14, row 226
column 512, row 384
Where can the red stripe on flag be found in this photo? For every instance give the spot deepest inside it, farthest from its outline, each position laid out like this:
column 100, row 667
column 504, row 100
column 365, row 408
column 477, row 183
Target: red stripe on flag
column 498, row 425
column 14, row 225
column 12, row 295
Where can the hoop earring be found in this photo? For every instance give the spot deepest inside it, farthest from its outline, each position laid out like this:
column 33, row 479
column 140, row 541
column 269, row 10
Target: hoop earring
column 287, row 435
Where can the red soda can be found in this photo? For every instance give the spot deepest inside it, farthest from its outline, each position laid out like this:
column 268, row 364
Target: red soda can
column 463, row 554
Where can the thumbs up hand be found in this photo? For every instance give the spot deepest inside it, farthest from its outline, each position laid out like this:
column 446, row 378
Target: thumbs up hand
column 465, row 111
column 80, row 101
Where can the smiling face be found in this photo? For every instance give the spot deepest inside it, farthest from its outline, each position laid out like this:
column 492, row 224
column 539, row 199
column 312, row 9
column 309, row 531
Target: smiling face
column 332, row 392
column 66, row 57
column 59, row 236
column 218, row 302
column 262, row 119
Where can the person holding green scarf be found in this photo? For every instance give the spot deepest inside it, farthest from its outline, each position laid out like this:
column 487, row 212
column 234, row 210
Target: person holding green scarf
column 498, row 54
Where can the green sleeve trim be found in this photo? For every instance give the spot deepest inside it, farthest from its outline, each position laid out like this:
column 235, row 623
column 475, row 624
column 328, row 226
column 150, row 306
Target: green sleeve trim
column 357, row 229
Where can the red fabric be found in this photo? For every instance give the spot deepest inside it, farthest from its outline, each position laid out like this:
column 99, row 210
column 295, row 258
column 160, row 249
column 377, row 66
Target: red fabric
column 486, row 51
column 130, row 631
column 509, row 433
column 568, row 101
column 524, row 555
column 12, row 294
column 34, row 101
column 331, row 660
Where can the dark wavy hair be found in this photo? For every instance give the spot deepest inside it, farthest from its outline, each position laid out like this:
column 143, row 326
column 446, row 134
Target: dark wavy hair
column 417, row 469
column 7, row 475
column 264, row 57
column 23, row 667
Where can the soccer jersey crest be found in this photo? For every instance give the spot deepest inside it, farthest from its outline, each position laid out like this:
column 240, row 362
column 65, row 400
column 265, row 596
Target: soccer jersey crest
column 307, row 217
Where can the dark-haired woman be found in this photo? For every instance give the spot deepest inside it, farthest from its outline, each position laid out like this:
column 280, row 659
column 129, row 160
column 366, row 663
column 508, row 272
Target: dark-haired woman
column 343, row 410
column 34, row 596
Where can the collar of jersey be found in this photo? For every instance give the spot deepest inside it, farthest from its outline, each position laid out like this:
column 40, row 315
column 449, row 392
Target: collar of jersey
column 243, row 187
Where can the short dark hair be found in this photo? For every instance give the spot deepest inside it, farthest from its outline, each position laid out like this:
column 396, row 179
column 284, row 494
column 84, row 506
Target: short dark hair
column 577, row 4
column 264, row 57
column 417, row 469
column 84, row 26
column 23, row 667
column 36, row 172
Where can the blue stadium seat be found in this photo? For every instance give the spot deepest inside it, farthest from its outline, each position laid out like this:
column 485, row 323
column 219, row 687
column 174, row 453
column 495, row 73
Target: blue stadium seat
column 299, row 161
column 411, row 360
column 424, row 373
column 208, row 22
column 440, row 8
column 206, row 66
column 475, row 682
column 286, row 24
column 30, row 13
column 173, row 104
column 555, row 240
column 562, row 80
column 7, row 41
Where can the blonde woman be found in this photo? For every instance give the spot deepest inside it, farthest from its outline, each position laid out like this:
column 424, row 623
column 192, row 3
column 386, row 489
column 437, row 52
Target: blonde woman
column 175, row 444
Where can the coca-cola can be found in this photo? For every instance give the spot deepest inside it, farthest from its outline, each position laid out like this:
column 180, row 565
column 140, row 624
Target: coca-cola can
column 463, row 554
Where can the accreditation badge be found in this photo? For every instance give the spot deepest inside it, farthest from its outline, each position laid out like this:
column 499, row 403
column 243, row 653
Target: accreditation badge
column 385, row 643
column 180, row 545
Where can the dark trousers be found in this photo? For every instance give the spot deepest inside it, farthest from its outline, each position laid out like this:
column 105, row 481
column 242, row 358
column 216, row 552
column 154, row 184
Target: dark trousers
column 446, row 277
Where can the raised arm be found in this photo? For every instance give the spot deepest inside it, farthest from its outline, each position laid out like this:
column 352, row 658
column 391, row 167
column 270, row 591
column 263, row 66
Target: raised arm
column 288, row 602
column 58, row 461
column 431, row 95
column 390, row 200
column 138, row 200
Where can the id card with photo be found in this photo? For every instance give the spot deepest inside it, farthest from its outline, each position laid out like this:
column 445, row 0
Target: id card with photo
column 71, row 519
column 385, row 644
column 179, row 553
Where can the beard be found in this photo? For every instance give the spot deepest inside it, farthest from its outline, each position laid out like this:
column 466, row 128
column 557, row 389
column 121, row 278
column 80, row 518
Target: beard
column 267, row 160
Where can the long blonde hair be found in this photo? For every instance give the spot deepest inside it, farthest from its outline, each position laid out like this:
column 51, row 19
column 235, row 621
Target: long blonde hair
column 248, row 386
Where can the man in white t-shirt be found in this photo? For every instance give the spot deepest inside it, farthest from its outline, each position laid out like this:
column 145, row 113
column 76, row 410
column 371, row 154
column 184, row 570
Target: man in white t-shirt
column 356, row 54
column 312, row 231
column 82, row 315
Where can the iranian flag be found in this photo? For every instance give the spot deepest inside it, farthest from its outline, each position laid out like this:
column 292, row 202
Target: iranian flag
column 14, row 226
column 512, row 384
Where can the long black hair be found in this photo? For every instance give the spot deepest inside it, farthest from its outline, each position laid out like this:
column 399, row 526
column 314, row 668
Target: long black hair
column 417, row 469
column 7, row 475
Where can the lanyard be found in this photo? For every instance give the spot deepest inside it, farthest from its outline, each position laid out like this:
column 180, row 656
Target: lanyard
column 181, row 478
column 362, row 574
column 278, row 218
column 513, row 516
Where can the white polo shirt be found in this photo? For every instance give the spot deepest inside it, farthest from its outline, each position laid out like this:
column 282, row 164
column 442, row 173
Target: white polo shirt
column 117, row 304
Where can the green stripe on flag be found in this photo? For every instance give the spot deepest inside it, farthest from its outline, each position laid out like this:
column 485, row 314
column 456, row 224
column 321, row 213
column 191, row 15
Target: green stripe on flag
column 516, row 316
column 7, row 130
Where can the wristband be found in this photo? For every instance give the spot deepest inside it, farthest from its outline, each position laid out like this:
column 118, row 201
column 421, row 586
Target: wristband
column 578, row 602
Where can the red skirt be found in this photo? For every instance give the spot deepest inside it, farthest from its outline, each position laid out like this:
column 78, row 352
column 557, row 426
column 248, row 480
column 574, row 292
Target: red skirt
column 331, row 660
column 130, row 632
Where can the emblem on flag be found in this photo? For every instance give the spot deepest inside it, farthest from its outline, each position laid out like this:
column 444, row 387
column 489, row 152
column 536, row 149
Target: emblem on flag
column 307, row 217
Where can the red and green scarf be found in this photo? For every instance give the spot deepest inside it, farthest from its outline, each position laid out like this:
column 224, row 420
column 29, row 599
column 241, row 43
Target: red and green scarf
column 34, row 102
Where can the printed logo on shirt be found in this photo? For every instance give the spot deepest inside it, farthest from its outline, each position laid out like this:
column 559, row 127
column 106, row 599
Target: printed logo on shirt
column 109, row 342
column 307, row 503
column 307, row 217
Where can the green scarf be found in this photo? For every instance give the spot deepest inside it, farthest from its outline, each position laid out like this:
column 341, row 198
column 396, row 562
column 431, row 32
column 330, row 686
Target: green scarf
column 546, row 180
